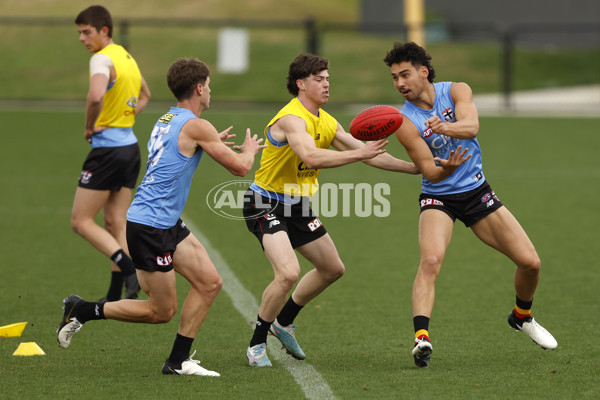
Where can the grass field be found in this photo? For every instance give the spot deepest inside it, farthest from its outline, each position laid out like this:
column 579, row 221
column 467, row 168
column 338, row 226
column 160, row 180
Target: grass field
column 357, row 70
column 358, row 334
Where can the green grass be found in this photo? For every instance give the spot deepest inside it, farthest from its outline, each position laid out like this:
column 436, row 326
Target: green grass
column 358, row 333
column 32, row 68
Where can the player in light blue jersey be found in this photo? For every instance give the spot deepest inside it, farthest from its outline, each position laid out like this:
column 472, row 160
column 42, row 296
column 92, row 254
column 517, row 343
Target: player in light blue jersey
column 439, row 134
column 158, row 240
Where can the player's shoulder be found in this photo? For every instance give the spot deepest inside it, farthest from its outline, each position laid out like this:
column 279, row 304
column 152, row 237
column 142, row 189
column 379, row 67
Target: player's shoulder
column 199, row 126
column 289, row 122
column 408, row 127
column 460, row 88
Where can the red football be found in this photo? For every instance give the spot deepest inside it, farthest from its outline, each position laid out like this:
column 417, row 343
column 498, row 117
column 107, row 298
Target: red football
column 376, row 122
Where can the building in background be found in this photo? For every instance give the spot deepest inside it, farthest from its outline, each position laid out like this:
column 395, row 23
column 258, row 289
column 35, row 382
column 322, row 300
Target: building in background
column 573, row 23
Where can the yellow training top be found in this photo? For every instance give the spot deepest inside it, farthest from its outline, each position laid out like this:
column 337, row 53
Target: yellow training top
column 281, row 170
column 121, row 96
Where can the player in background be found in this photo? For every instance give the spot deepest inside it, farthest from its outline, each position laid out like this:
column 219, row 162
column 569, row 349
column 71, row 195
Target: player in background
column 159, row 242
column 117, row 93
column 277, row 208
column 441, row 118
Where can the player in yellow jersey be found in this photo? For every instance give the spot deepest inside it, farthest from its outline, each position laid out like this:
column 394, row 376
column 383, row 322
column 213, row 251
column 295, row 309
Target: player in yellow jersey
column 117, row 93
column 276, row 204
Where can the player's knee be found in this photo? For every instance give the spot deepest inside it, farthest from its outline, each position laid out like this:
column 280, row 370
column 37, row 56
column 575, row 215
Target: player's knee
column 430, row 265
column 335, row 273
column 532, row 264
column 288, row 278
column 77, row 225
column 212, row 288
column 164, row 315
column 113, row 224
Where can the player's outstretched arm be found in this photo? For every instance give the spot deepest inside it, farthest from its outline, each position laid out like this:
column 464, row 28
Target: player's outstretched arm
column 201, row 133
column 293, row 130
column 344, row 141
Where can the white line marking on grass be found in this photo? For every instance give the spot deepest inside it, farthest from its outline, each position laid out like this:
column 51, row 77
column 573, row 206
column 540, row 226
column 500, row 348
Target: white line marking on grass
column 311, row 382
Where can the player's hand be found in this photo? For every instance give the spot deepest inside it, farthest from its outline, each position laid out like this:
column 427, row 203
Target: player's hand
column 374, row 148
column 436, row 125
column 87, row 135
column 251, row 143
column 455, row 159
column 225, row 136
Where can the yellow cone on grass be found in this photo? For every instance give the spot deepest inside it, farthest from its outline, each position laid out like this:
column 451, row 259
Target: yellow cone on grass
column 12, row 330
column 29, row 349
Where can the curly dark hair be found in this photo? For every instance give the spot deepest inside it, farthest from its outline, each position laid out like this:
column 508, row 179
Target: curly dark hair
column 302, row 67
column 412, row 53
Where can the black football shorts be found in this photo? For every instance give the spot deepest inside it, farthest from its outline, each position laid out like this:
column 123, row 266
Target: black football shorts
column 152, row 249
column 469, row 207
column 111, row 168
column 266, row 216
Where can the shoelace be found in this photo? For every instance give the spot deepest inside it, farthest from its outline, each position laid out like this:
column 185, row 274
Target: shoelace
column 258, row 351
column 537, row 326
column 290, row 331
column 75, row 326
column 192, row 360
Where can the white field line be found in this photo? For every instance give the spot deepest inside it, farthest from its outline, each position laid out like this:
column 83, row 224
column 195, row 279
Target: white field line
column 310, row 381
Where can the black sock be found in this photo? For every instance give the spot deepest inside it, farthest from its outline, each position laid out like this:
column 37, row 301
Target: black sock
column 523, row 309
column 124, row 262
column 421, row 322
column 526, row 305
column 116, row 286
column 288, row 313
column 260, row 332
column 181, row 349
column 89, row 310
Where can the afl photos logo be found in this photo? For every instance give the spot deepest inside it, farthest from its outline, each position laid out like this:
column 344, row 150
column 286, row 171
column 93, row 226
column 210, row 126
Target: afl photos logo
column 227, row 200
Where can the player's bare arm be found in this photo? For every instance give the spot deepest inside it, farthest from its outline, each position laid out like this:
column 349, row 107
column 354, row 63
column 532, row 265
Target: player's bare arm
column 201, row 133
column 94, row 102
column 419, row 153
column 292, row 129
column 143, row 98
column 467, row 119
column 344, row 141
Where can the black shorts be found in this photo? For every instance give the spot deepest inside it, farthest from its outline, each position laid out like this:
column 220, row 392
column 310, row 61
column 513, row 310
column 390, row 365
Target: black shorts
column 111, row 168
column 469, row 207
column 264, row 215
column 152, row 249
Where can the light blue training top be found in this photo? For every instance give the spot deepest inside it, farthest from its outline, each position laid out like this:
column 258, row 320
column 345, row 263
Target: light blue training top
column 113, row 137
column 470, row 174
column 162, row 195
